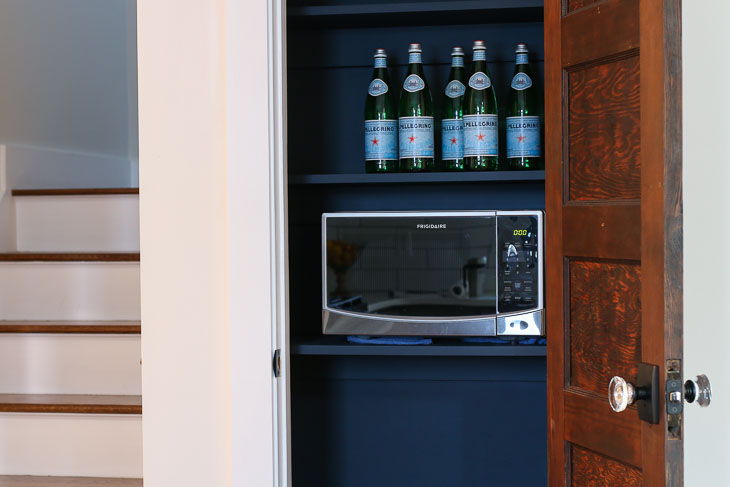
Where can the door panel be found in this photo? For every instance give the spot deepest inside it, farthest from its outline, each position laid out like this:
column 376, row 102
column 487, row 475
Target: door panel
column 613, row 227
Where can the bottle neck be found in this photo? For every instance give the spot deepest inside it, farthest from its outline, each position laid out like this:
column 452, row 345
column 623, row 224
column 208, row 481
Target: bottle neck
column 521, row 58
column 414, row 58
column 457, row 61
column 381, row 62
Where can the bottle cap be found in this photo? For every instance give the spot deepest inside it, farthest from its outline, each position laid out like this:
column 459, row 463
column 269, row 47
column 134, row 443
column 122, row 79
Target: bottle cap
column 415, row 47
column 479, row 45
column 521, row 48
column 380, row 52
column 457, row 51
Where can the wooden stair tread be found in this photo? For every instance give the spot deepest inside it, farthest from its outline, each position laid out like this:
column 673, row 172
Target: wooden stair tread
column 74, row 191
column 70, row 257
column 70, row 327
column 35, row 481
column 70, row 403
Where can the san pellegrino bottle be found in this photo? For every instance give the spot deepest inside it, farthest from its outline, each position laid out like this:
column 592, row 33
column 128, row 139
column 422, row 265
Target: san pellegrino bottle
column 523, row 118
column 415, row 117
column 381, row 126
column 452, row 124
column 481, row 125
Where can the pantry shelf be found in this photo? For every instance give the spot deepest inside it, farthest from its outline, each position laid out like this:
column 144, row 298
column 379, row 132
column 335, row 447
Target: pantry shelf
column 338, row 346
column 419, row 178
column 416, row 13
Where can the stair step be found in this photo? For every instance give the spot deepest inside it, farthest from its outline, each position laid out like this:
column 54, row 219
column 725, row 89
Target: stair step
column 74, row 191
column 72, row 327
column 34, row 481
column 70, row 404
column 71, row 287
column 77, row 220
column 73, row 445
column 69, row 363
column 70, row 257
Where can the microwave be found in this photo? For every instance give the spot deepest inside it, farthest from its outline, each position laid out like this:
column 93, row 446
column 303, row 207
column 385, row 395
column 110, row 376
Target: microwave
column 441, row 273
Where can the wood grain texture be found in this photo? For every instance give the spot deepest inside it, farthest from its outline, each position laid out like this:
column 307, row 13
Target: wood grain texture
column 605, row 324
column 74, row 191
column 554, row 261
column 70, row 403
column 70, row 257
column 602, row 231
column 576, row 4
column 593, row 470
column 661, row 202
column 596, row 32
column 591, row 423
column 604, row 131
column 73, row 327
column 35, row 481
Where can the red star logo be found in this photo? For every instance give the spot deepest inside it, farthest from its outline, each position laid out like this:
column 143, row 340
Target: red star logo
column 480, row 136
column 453, row 141
column 521, row 138
column 412, row 138
column 375, row 141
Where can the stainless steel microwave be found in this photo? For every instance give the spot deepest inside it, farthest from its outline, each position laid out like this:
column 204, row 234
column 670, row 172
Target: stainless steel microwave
column 446, row 273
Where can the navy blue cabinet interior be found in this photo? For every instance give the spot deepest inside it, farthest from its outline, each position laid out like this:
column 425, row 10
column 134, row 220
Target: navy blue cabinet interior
column 448, row 414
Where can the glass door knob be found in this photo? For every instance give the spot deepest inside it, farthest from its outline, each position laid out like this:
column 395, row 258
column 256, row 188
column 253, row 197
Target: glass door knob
column 621, row 394
column 698, row 390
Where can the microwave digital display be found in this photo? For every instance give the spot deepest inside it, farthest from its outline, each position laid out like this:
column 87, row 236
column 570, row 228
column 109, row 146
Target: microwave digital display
column 445, row 273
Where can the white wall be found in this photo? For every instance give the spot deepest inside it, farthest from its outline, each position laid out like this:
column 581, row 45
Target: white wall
column 207, row 319
column 706, row 178
column 68, row 77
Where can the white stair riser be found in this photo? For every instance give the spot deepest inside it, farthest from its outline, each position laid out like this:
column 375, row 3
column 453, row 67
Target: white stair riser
column 69, row 291
column 70, row 364
column 70, row 445
column 104, row 223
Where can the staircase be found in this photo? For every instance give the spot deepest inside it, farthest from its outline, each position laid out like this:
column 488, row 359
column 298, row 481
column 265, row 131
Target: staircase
column 70, row 367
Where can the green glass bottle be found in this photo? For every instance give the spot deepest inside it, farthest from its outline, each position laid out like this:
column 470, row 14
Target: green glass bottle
column 523, row 119
column 381, row 126
column 415, row 118
column 481, row 125
column 452, row 123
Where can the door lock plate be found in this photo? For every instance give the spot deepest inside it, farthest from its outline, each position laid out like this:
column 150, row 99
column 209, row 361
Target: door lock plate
column 674, row 399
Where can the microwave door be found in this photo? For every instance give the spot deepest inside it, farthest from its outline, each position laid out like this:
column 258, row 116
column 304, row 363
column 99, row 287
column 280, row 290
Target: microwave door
column 411, row 267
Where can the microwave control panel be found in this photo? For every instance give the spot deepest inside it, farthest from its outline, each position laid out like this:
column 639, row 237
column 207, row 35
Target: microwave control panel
column 518, row 276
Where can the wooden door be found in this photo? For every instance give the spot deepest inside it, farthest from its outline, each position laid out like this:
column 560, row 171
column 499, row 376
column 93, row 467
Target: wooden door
column 613, row 232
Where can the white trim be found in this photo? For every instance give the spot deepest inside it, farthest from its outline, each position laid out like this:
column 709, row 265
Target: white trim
column 279, row 237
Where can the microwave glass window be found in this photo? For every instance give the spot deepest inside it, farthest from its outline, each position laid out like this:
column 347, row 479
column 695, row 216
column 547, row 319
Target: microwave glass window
column 413, row 267
column 518, row 284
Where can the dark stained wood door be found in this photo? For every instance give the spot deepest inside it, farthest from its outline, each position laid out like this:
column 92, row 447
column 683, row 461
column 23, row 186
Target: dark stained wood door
column 614, row 233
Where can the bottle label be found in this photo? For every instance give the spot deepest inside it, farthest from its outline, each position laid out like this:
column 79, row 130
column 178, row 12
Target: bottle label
column 455, row 89
column 457, row 61
column 480, row 81
column 414, row 57
column 521, row 81
column 522, row 58
column 381, row 62
column 480, row 55
column 416, row 136
column 480, row 135
column 452, row 139
column 523, row 137
column 377, row 87
column 413, row 83
column 381, row 140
